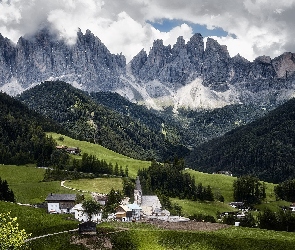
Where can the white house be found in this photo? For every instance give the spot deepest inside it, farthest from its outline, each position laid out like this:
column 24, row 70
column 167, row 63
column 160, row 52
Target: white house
column 136, row 210
column 80, row 215
column 292, row 207
column 60, row 203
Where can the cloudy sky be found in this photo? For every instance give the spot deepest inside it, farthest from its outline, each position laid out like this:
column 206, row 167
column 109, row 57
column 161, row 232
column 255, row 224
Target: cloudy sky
column 248, row 27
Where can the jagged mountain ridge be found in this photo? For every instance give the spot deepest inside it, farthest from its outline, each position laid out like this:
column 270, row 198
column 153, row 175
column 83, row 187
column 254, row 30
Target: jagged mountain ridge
column 189, row 75
column 88, row 64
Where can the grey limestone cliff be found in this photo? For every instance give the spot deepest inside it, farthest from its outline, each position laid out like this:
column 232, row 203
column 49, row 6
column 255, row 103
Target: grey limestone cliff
column 43, row 57
column 185, row 72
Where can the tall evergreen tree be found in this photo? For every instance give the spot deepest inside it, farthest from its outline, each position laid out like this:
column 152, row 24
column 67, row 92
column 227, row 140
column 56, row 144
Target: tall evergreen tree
column 6, row 194
column 249, row 190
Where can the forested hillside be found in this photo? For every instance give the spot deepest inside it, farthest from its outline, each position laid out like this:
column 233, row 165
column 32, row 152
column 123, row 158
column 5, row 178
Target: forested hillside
column 154, row 120
column 264, row 148
column 22, row 137
column 190, row 127
column 85, row 119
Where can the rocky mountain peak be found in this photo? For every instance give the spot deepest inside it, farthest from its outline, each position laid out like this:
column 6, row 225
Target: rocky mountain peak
column 138, row 61
column 284, row 65
column 263, row 59
column 165, row 75
column 88, row 63
column 216, row 62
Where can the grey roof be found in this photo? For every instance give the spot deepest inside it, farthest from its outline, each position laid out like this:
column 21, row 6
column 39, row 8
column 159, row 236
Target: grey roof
column 150, row 200
column 61, row 197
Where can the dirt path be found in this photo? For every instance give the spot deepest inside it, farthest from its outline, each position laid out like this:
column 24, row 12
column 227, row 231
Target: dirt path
column 47, row 235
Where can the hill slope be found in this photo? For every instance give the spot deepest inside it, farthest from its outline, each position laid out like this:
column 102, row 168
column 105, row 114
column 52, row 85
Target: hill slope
column 87, row 120
column 22, row 139
column 264, row 148
column 154, row 120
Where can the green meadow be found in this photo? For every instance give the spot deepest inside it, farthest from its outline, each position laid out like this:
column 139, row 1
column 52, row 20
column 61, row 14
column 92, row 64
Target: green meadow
column 37, row 221
column 103, row 153
column 205, row 208
column 220, row 184
column 145, row 237
column 98, row 185
column 27, row 185
column 140, row 237
column 223, row 184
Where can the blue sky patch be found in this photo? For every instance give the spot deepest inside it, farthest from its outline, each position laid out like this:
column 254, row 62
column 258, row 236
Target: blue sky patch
column 165, row 25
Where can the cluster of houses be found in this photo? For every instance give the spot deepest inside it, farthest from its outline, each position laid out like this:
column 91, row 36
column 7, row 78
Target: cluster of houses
column 145, row 207
column 66, row 203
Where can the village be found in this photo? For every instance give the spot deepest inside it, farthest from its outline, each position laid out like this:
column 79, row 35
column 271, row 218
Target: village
column 144, row 207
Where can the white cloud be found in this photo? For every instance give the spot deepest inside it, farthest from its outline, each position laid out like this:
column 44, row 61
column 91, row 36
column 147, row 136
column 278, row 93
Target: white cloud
column 260, row 26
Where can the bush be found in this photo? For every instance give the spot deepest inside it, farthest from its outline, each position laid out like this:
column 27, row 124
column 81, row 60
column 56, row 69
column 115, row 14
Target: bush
column 202, row 217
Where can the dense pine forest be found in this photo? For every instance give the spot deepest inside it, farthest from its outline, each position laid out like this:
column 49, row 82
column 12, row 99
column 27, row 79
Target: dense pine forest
column 22, row 137
column 169, row 180
column 85, row 119
column 264, row 148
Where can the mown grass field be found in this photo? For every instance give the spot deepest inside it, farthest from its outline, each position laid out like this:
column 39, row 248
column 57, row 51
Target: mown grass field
column 222, row 184
column 205, row 208
column 103, row 153
column 146, row 237
column 56, row 242
column 98, row 185
column 234, row 238
column 27, row 186
column 37, row 221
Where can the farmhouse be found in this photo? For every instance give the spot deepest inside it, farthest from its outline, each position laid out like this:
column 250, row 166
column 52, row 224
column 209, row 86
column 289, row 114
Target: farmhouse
column 228, row 173
column 237, row 204
column 136, row 210
column 123, row 213
column 60, row 203
column 88, row 227
column 128, row 212
column 70, row 150
column 100, row 198
column 82, row 216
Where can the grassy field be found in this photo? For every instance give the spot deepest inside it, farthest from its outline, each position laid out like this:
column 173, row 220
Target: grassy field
column 57, row 242
column 205, row 208
column 234, row 238
column 221, row 184
column 103, row 153
column 26, row 183
column 224, row 185
column 37, row 221
column 146, row 238
column 98, row 185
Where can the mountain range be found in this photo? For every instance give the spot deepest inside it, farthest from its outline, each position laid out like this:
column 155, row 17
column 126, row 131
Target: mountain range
column 194, row 75
column 194, row 97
